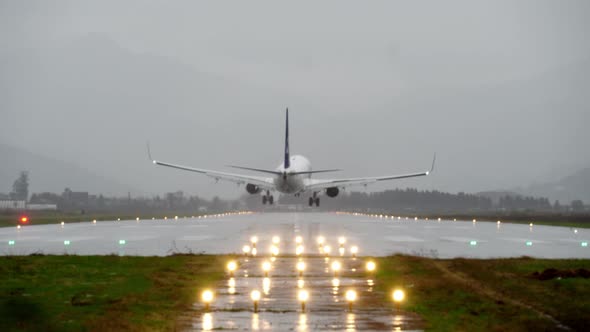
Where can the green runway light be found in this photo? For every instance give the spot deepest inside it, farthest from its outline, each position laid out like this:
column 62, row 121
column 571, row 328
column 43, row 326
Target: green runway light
column 529, row 243
column 11, row 242
column 473, row 243
column 66, row 242
column 122, row 242
column 584, row 244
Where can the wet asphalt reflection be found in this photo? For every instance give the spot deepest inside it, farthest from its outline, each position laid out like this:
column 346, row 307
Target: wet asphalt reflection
column 279, row 308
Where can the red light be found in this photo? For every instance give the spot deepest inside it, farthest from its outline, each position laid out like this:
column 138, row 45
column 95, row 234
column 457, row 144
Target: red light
column 24, row 219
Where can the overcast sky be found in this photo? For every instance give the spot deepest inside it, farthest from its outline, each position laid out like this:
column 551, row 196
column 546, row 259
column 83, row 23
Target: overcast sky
column 499, row 89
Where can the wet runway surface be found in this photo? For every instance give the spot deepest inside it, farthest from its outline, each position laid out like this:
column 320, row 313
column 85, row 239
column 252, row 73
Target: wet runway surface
column 279, row 308
column 374, row 235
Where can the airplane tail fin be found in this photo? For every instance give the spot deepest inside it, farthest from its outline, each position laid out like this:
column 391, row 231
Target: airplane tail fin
column 287, row 163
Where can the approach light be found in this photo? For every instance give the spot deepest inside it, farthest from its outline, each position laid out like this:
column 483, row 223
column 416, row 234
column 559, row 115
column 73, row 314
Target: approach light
column 354, row 250
column 300, row 283
column 122, row 242
column 276, row 239
column 300, row 268
column 255, row 296
column 473, row 243
column 299, row 250
column 231, row 286
column 336, row 283
column 327, row 250
column 371, row 266
column 63, row 223
column 529, row 243
column 94, row 221
column 274, row 250
column 11, row 242
column 246, row 249
column 137, row 219
column 584, row 244
column 254, row 251
column 207, row 297
column 336, row 266
column 350, row 298
column 531, row 225
column 232, row 266
column 303, row 296
column 266, row 285
column 66, row 242
column 321, row 240
column 341, row 240
column 398, row 296
column 17, row 226
column 474, row 221
column 175, row 217
column 254, row 240
column 341, row 251
column 266, row 267
column 298, row 239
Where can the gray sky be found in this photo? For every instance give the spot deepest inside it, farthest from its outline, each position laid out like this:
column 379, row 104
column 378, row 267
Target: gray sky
column 499, row 89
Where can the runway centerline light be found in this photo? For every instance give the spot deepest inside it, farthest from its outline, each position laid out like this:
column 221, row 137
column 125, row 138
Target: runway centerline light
column 398, row 296
column 246, row 249
column 300, row 283
column 327, row 250
column 207, row 298
column 298, row 239
column 255, row 296
column 371, row 266
column 17, row 226
column 266, row 285
column 303, row 297
column 350, row 298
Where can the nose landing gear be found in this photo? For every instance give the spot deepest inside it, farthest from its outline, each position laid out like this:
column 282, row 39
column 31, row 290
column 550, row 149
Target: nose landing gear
column 267, row 198
column 315, row 200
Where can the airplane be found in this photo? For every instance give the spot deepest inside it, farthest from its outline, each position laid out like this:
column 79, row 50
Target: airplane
column 292, row 176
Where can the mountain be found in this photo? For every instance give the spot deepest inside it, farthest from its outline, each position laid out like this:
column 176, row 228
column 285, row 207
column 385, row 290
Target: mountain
column 47, row 174
column 566, row 189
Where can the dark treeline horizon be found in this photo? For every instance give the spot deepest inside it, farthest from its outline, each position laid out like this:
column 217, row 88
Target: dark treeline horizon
column 403, row 201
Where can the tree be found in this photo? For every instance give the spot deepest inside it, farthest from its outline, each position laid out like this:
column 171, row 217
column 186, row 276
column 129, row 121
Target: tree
column 20, row 188
column 577, row 205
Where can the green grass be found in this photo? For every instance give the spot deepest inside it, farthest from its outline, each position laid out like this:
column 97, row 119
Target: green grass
column 488, row 295
column 39, row 293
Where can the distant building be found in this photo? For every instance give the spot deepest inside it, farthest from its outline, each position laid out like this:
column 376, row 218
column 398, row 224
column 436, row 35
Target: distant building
column 38, row 207
column 12, row 205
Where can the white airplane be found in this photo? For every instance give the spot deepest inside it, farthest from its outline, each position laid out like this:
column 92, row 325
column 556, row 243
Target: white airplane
column 292, row 176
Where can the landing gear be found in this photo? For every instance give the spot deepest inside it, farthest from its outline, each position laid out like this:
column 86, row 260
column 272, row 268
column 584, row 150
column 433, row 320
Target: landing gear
column 315, row 200
column 268, row 198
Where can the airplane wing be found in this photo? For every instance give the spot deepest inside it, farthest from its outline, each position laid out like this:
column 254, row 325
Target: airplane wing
column 262, row 182
column 316, row 185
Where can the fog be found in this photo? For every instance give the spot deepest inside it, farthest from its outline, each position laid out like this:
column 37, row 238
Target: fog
column 499, row 90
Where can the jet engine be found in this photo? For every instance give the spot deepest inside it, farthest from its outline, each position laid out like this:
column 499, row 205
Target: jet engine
column 332, row 191
column 252, row 189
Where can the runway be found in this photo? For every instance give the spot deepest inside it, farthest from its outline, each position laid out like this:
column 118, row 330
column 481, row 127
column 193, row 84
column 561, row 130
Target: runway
column 223, row 234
